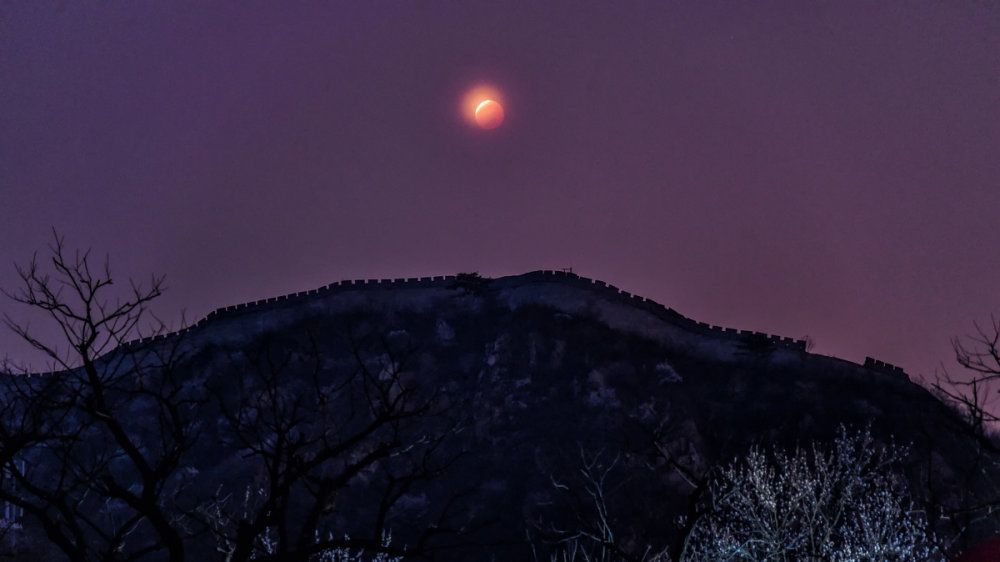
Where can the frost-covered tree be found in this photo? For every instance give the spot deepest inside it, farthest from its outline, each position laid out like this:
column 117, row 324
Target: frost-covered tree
column 841, row 502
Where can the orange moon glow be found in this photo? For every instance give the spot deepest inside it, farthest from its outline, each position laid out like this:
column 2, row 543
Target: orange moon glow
column 482, row 106
column 489, row 114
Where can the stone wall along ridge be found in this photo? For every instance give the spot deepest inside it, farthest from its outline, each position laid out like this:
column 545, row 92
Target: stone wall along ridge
column 668, row 314
column 605, row 289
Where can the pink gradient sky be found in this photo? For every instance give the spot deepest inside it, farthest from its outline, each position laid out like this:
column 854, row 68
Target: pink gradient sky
column 820, row 168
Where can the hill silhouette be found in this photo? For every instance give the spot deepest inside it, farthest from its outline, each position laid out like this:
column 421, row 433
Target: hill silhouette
column 525, row 391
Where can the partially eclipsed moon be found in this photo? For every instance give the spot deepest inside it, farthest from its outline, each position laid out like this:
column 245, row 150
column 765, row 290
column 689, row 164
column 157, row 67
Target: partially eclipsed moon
column 489, row 114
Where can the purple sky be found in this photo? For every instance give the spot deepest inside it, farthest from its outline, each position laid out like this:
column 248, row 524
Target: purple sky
column 820, row 168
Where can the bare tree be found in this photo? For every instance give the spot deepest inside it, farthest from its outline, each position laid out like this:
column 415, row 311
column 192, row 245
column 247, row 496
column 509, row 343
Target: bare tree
column 974, row 509
column 591, row 535
column 126, row 451
column 311, row 434
column 979, row 355
column 99, row 486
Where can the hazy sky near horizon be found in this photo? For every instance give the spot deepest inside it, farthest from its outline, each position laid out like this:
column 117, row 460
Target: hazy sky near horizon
column 820, row 168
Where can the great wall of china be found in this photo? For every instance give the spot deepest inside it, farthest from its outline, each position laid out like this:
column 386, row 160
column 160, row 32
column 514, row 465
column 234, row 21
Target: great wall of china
column 448, row 281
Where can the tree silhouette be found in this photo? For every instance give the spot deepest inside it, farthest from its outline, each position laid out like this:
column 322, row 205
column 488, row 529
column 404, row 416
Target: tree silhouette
column 105, row 456
column 100, row 486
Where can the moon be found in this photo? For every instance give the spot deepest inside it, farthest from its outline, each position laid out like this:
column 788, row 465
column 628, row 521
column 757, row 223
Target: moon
column 489, row 114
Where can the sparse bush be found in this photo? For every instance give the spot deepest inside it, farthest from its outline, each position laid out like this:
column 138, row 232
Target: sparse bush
column 592, row 537
column 573, row 551
column 223, row 512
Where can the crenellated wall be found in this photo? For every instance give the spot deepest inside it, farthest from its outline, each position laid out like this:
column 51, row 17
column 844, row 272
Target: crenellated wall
column 447, row 281
column 883, row 367
column 352, row 285
column 664, row 312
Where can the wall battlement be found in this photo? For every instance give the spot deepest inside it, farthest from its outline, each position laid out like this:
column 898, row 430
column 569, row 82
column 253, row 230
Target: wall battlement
column 669, row 314
column 448, row 281
column 883, row 367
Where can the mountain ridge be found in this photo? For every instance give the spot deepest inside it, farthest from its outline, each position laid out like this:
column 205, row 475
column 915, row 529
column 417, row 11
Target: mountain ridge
column 601, row 288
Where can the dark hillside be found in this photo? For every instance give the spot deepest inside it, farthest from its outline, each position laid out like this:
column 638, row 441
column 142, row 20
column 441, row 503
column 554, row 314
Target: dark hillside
column 527, row 387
